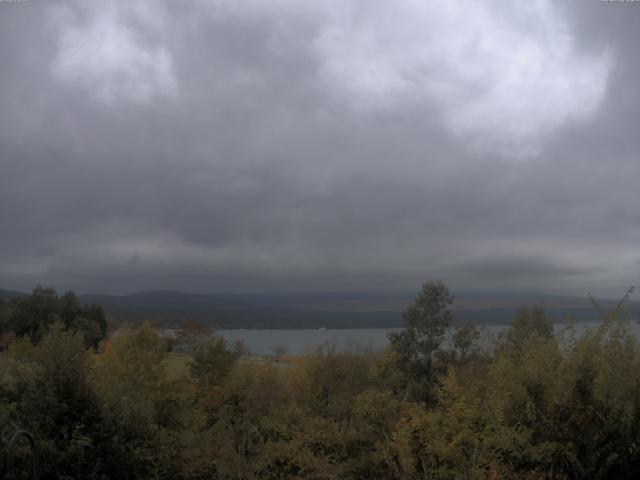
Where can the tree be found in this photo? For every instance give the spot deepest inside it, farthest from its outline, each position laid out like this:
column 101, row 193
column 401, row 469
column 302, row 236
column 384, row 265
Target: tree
column 241, row 349
column 48, row 391
column 526, row 323
column 144, row 410
column 333, row 380
column 418, row 343
column 191, row 333
column 465, row 339
column 212, row 362
column 33, row 315
column 279, row 351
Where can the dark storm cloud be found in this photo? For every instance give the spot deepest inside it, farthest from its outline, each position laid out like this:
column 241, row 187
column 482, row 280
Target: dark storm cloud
column 517, row 268
column 273, row 146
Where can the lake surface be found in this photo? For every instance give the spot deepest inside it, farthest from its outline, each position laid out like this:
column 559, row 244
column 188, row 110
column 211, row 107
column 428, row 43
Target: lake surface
column 296, row 342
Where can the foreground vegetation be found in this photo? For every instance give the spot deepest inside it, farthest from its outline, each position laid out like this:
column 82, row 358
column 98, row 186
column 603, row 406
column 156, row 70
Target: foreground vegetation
column 533, row 405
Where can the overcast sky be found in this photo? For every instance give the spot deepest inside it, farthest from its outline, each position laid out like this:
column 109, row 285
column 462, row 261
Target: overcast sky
column 286, row 145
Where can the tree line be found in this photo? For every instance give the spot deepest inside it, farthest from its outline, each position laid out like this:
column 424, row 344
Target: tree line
column 434, row 405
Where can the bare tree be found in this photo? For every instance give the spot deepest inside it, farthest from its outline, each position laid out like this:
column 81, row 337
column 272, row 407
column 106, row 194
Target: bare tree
column 279, row 351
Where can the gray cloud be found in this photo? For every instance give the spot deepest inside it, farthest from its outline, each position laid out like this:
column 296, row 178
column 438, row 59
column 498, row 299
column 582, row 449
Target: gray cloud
column 260, row 146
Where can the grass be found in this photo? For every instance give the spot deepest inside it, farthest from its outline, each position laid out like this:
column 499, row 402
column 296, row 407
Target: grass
column 177, row 364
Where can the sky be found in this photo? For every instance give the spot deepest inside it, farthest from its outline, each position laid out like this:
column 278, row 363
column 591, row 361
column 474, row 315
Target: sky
column 342, row 145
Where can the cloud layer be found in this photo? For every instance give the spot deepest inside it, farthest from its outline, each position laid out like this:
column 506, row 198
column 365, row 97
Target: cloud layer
column 255, row 146
column 504, row 77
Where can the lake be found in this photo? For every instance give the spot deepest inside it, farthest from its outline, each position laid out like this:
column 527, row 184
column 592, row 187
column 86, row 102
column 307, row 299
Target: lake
column 296, row 342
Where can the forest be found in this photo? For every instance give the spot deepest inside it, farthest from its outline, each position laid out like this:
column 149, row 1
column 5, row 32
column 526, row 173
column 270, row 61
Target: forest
column 536, row 403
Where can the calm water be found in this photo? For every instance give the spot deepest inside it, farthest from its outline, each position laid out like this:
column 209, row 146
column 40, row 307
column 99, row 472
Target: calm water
column 262, row 342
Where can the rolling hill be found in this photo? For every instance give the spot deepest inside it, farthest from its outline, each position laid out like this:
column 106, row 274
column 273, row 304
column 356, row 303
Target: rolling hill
column 330, row 310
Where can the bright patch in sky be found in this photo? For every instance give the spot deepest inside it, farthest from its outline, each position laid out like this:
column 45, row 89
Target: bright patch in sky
column 505, row 75
column 106, row 57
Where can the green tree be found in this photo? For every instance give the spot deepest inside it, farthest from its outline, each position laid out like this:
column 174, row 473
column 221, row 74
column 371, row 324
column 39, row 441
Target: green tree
column 33, row 315
column 212, row 363
column 418, row 344
column 465, row 339
column 332, row 380
column 48, row 391
column 146, row 412
column 527, row 322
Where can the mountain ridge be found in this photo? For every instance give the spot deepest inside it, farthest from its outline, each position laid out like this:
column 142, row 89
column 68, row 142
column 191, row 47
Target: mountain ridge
column 324, row 309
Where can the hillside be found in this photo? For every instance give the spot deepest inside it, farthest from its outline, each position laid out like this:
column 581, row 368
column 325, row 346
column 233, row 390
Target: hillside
column 330, row 310
column 9, row 294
